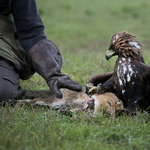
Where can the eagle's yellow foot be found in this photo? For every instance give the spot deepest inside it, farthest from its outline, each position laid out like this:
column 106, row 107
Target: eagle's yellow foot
column 93, row 89
column 90, row 85
column 119, row 106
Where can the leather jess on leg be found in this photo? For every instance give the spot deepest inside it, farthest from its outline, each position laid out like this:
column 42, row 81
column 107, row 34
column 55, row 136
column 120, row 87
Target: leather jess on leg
column 9, row 81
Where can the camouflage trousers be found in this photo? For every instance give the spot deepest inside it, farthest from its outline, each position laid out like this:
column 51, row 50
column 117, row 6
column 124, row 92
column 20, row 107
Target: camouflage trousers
column 9, row 81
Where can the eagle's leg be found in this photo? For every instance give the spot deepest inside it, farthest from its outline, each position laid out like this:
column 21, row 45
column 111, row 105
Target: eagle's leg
column 101, row 87
column 108, row 86
column 95, row 83
column 91, row 89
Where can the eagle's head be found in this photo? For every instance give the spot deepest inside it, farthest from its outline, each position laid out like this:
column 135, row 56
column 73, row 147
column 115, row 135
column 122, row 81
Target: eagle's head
column 125, row 45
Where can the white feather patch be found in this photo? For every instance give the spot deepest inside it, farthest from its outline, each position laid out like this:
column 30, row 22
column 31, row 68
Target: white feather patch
column 123, row 91
column 115, row 38
column 128, row 77
column 135, row 44
column 123, row 59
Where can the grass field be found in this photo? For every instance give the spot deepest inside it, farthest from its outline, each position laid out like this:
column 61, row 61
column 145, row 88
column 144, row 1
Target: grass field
column 82, row 31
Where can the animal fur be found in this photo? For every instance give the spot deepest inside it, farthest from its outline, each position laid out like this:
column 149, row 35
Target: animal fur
column 73, row 101
column 108, row 103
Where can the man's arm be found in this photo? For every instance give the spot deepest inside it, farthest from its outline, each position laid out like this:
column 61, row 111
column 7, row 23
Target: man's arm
column 30, row 28
column 42, row 54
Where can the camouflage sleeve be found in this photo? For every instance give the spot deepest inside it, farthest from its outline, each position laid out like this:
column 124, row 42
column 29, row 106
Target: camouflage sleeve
column 30, row 28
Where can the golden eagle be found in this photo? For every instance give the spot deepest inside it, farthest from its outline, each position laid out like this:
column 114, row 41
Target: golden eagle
column 130, row 80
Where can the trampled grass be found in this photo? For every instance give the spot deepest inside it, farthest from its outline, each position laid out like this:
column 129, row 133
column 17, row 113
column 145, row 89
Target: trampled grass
column 82, row 31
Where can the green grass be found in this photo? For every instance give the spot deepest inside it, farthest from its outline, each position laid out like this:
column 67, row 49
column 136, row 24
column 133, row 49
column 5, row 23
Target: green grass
column 41, row 128
column 82, row 31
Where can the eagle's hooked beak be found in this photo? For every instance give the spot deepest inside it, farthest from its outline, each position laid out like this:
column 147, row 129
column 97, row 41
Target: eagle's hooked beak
column 109, row 54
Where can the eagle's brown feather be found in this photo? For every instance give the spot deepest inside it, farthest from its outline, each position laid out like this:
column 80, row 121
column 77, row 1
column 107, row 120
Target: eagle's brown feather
column 123, row 47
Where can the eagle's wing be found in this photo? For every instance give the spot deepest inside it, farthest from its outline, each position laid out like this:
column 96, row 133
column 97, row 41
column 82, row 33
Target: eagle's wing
column 100, row 78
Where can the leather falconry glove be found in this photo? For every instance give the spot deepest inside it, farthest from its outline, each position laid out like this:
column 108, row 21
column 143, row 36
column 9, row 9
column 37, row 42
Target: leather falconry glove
column 45, row 58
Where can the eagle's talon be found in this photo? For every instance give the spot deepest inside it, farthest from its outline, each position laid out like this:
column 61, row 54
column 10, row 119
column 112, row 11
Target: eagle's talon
column 119, row 106
column 93, row 89
column 90, row 89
